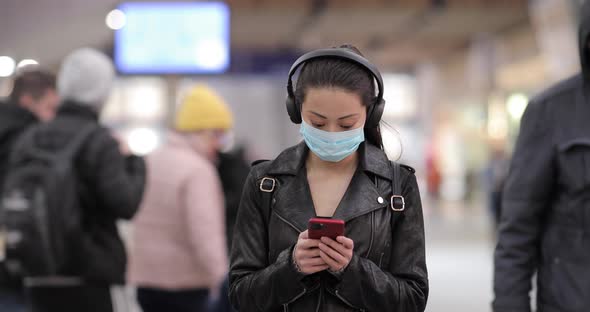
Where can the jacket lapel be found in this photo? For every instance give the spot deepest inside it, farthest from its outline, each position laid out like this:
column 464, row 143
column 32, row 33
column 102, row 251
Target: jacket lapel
column 293, row 202
column 293, row 198
column 361, row 197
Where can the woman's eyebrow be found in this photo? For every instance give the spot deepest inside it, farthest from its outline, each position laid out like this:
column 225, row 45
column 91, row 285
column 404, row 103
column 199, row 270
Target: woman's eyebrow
column 319, row 115
column 347, row 116
column 324, row 117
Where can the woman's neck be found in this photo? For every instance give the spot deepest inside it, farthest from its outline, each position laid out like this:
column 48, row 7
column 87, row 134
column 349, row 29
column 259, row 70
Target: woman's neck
column 347, row 164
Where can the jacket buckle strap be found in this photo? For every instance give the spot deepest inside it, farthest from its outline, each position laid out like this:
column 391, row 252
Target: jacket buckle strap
column 398, row 203
column 267, row 185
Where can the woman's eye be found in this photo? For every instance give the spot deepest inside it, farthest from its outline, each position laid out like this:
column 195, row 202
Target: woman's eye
column 317, row 125
column 346, row 127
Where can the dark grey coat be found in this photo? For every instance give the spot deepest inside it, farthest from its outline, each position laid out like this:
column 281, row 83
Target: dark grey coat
column 545, row 223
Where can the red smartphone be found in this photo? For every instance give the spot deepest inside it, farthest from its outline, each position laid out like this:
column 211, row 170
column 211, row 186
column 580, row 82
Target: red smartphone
column 325, row 227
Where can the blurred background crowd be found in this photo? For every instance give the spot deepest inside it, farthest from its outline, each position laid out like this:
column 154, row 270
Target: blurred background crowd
column 458, row 75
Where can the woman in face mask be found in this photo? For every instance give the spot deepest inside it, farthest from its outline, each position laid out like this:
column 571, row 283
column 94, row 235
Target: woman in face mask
column 339, row 172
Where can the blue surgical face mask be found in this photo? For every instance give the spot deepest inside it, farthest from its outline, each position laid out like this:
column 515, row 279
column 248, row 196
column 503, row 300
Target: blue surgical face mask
column 332, row 146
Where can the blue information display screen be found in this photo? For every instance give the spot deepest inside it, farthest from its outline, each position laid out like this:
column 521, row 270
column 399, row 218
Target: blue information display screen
column 173, row 38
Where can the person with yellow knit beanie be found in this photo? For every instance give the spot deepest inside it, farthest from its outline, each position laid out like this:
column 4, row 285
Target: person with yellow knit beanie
column 203, row 109
column 205, row 120
column 178, row 255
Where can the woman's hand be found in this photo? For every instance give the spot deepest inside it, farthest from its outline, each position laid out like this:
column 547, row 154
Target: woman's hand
column 306, row 255
column 336, row 253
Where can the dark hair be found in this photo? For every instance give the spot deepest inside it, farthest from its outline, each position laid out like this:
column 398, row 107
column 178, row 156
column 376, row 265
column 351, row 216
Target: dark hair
column 347, row 75
column 32, row 82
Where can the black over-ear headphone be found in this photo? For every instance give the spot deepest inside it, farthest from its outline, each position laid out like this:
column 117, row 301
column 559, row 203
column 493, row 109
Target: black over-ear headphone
column 374, row 111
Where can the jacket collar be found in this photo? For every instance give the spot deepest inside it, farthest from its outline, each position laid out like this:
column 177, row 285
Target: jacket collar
column 13, row 113
column 70, row 108
column 372, row 160
column 293, row 198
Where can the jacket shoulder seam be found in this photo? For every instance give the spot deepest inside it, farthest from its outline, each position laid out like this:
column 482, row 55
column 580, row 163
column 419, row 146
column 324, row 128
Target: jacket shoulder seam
column 260, row 169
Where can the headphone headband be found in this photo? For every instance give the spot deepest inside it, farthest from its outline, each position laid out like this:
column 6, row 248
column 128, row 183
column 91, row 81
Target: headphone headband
column 341, row 53
column 374, row 110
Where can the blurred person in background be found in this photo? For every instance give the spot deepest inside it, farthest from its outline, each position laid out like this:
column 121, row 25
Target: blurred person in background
column 495, row 175
column 545, row 221
column 342, row 172
column 178, row 254
column 233, row 168
column 110, row 186
column 33, row 99
column 433, row 175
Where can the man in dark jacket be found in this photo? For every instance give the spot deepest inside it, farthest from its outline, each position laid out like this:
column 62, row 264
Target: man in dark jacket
column 233, row 169
column 33, row 99
column 545, row 223
column 111, row 187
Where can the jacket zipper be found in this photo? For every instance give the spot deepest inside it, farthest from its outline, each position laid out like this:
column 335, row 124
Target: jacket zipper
column 363, row 213
column 289, row 223
column 372, row 234
column 319, row 305
column 286, row 305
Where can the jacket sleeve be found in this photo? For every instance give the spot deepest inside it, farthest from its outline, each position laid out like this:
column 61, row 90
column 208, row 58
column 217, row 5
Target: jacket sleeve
column 526, row 195
column 256, row 284
column 404, row 286
column 203, row 204
column 120, row 180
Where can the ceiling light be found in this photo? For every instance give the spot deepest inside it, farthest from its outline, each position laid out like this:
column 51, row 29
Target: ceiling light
column 516, row 105
column 7, row 65
column 116, row 19
column 143, row 141
column 26, row 62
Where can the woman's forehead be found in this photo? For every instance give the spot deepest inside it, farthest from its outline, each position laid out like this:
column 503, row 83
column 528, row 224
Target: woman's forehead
column 332, row 101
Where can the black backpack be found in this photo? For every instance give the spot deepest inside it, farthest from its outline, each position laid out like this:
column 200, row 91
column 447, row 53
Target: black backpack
column 40, row 213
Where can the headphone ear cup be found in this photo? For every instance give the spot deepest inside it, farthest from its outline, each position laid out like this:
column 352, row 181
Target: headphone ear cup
column 293, row 110
column 374, row 114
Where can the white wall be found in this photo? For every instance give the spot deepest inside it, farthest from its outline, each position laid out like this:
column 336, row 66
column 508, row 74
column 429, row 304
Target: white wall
column 258, row 103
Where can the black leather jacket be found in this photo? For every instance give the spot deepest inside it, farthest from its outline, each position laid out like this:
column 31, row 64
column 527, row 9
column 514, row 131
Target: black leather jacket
column 387, row 271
